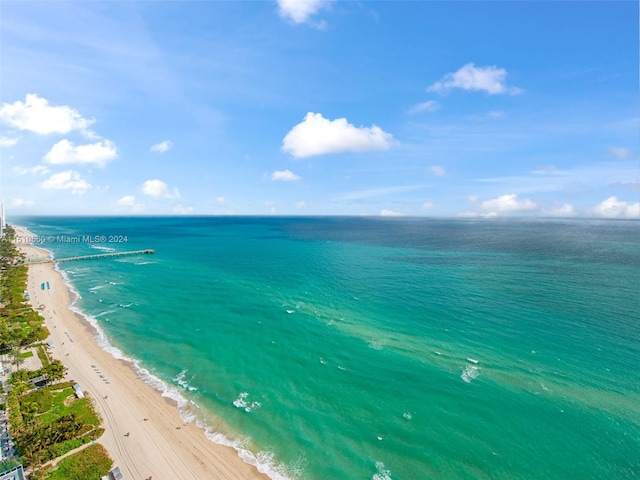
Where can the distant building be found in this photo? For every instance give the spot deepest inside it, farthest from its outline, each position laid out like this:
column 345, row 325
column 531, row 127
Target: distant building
column 16, row 473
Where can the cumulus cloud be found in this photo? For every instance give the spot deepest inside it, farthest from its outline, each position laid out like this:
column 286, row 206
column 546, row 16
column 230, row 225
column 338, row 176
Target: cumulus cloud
column 181, row 210
column 438, row 170
column 69, row 180
column 301, row 204
column 390, row 213
column 220, row 200
column 614, row 208
column 37, row 170
column 621, row 153
column 284, row 176
column 300, row 11
column 428, row 205
column 317, row 135
column 158, row 189
column 162, row 147
column 428, row 106
column 65, row 152
column 565, row 210
column 37, row 116
column 509, row 203
column 488, row 79
column 8, row 142
column 129, row 202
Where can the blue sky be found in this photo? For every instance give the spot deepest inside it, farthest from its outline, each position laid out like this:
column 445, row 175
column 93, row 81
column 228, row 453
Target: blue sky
column 316, row 107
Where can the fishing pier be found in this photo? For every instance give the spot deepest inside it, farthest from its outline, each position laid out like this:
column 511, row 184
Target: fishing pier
column 95, row 256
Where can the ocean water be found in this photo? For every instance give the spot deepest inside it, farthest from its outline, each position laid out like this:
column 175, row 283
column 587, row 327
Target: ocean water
column 354, row 348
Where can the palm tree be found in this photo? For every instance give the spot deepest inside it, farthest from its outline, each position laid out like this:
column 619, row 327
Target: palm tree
column 54, row 371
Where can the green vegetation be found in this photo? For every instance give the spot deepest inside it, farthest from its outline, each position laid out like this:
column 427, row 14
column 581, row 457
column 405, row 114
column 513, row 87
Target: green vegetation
column 42, row 355
column 20, row 325
column 89, row 464
column 8, row 464
column 52, row 372
column 48, row 422
column 51, row 421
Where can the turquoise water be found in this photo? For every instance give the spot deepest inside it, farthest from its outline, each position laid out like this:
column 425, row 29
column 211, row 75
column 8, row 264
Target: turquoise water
column 345, row 348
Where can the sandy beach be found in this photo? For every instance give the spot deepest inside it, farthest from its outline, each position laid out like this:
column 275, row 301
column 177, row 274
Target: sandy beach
column 159, row 443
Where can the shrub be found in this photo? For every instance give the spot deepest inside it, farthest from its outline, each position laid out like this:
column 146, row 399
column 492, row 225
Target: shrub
column 89, row 464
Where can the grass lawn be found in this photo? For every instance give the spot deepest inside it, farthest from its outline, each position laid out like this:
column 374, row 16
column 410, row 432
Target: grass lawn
column 54, row 422
column 62, row 402
column 90, row 464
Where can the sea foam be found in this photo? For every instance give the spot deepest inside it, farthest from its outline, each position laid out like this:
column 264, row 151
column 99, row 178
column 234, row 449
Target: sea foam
column 470, row 372
column 189, row 411
column 381, row 472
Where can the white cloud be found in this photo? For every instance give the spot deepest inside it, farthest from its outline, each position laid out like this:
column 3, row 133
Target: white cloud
column 98, row 153
column 390, row 213
column 473, row 198
column 19, row 202
column 428, row 205
column 8, row 142
column 488, row 79
column 546, row 170
column 565, row 210
column 69, row 180
column 162, row 146
column 509, row 203
column 438, row 170
column 428, row 106
column 129, row 202
column 220, row 201
column 621, row 153
column 614, row 208
column 157, row 188
column 299, row 11
column 317, row 135
column 181, row 210
column 301, row 204
column 36, row 115
column 284, row 176
column 37, row 170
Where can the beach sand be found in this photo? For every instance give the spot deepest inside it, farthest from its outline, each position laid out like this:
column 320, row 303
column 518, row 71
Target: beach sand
column 162, row 446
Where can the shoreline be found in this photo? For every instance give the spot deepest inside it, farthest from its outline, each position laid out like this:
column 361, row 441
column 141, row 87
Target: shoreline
column 160, row 443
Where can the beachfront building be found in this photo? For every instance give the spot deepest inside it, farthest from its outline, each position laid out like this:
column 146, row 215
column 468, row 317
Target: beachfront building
column 78, row 391
column 114, row 474
column 15, row 473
